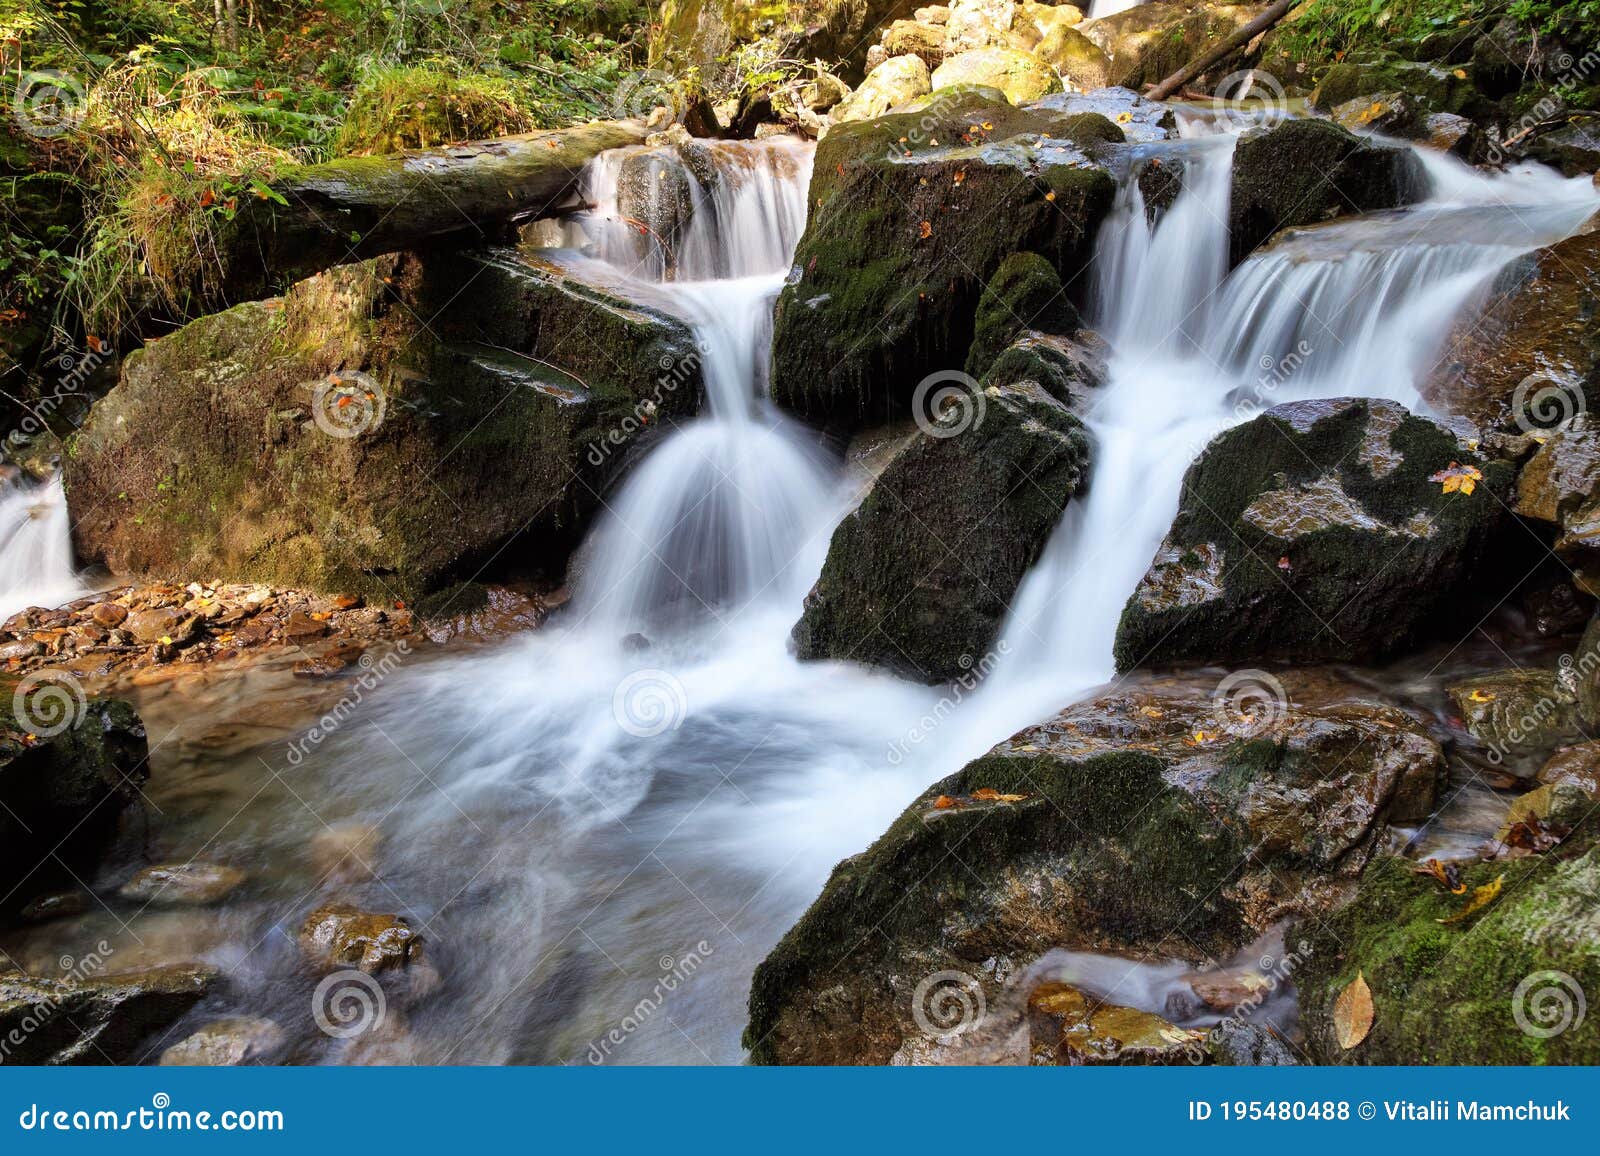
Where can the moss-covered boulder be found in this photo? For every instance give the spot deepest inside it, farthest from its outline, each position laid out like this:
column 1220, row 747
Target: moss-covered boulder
column 892, row 83
column 90, row 1018
column 1148, row 43
column 1572, row 148
column 1024, row 294
column 1521, row 715
column 1315, row 530
column 911, row 215
column 920, row 575
column 1529, row 359
column 705, row 35
column 1020, row 75
column 385, row 429
column 1503, row 986
column 1389, row 113
column 1433, row 87
column 1302, row 172
column 1153, row 823
column 69, row 767
column 1079, row 60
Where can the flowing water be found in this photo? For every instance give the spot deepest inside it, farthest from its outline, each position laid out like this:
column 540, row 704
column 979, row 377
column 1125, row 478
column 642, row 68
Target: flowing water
column 35, row 548
column 602, row 827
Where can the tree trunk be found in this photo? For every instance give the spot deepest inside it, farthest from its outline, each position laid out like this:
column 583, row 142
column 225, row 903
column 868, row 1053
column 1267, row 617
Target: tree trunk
column 360, row 207
column 1240, row 38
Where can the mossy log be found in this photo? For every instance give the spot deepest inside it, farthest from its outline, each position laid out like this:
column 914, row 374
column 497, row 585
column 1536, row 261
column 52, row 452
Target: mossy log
column 360, row 207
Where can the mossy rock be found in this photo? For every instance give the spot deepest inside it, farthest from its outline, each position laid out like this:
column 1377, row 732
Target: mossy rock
column 911, row 215
column 920, row 576
column 1024, row 294
column 1148, row 43
column 1111, row 828
column 1434, row 87
column 1315, row 530
column 483, row 434
column 1492, row 989
column 1302, row 172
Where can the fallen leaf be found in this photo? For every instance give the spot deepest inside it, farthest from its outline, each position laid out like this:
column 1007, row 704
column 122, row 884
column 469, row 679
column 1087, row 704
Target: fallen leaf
column 1124, row 117
column 944, row 803
column 925, row 230
column 1447, row 875
column 1284, row 564
column 1050, row 196
column 1481, row 898
column 1458, row 478
column 1352, row 1013
column 1460, row 74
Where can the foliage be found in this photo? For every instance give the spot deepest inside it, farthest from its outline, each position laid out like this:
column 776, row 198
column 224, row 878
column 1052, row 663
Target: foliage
column 1335, row 26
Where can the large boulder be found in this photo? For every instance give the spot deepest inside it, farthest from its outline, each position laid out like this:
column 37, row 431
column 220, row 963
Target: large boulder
column 1020, row 75
column 1506, row 985
column 95, row 1019
column 1316, row 530
column 1302, row 172
column 1148, row 43
column 1079, row 60
column 69, row 767
column 381, row 430
column 705, row 35
column 1164, row 821
column 894, row 82
column 1433, row 87
column 911, row 214
column 1560, row 486
column 919, row 577
column 1529, row 358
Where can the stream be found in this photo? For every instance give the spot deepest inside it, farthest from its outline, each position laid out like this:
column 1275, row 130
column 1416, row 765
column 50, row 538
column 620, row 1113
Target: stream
column 650, row 788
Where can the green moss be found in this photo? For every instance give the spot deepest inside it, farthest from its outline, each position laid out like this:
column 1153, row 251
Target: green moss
column 1024, row 293
column 419, row 107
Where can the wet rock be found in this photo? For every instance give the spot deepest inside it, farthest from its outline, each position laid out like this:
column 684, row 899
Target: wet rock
column 183, row 884
column 1529, row 360
column 164, row 625
column 95, row 1020
column 1302, row 172
column 340, row 935
column 1455, row 135
column 1573, row 148
column 1430, row 86
column 892, row 83
column 1555, row 607
column 331, row 663
column 1069, row 1026
column 919, row 577
column 902, row 239
column 63, row 905
column 62, row 794
column 1152, row 823
column 1247, row 1045
column 1389, row 113
column 1314, row 530
column 109, row 614
column 1577, row 766
column 1024, row 295
column 1519, row 713
column 1141, row 121
column 1560, row 485
column 1511, row 979
column 412, row 448
column 1019, row 75
column 227, row 1043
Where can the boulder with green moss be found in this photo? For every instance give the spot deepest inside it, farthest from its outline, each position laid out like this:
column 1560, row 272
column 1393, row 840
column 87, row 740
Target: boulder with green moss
column 920, row 575
column 911, row 215
column 1148, row 43
column 1020, row 75
column 1433, row 87
column 1024, row 294
column 893, row 83
column 385, row 429
column 1302, row 172
column 1154, row 823
column 1506, row 985
column 1316, row 530
column 69, row 768
column 712, row 37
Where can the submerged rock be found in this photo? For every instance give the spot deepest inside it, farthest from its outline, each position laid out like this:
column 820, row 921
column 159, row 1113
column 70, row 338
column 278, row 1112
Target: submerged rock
column 1069, row 1026
column 1529, row 359
column 183, row 884
column 1156, row 822
column 227, row 1043
column 919, row 577
column 911, row 215
column 1315, row 530
column 351, row 449
column 1302, row 172
column 95, row 1020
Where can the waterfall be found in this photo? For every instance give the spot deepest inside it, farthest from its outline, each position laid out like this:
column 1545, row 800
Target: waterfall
column 35, row 548
column 722, row 513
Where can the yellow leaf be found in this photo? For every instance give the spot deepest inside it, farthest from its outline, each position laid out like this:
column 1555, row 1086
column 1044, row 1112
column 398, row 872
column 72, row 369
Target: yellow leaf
column 1050, row 196
column 1460, row 74
column 944, row 802
column 1124, row 117
column 1481, row 898
column 925, row 230
column 1352, row 1013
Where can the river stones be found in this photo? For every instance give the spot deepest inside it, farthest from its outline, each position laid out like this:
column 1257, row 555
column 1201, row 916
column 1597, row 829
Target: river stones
column 95, row 1019
column 911, row 215
column 1578, row 766
column 1316, row 530
column 1529, row 359
column 919, row 577
column 1302, row 172
column 227, row 1043
column 340, row 935
column 183, row 884
column 62, row 791
column 349, row 448
column 1521, row 713
column 1156, row 822
column 1503, row 986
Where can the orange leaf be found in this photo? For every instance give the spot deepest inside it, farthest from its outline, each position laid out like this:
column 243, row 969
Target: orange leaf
column 944, row 802
column 925, row 230
column 1353, row 1012
column 1481, row 898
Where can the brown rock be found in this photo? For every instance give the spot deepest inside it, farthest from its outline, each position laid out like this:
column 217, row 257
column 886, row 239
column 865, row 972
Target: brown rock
column 183, row 884
column 1578, row 766
column 154, row 625
column 332, row 662
column 345, row 853
column 301, row 627
column 226, row 1043
column 109, row 614
column 1068, row 1026
column 340, row 935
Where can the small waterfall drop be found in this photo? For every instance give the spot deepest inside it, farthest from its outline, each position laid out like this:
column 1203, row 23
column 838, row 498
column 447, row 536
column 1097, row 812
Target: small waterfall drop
column 36, row 548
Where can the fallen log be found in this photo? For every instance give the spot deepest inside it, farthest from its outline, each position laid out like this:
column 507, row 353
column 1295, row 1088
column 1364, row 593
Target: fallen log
column 359, row 207
column 1243, row 36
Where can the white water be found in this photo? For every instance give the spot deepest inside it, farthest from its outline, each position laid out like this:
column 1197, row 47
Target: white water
column 35, row 548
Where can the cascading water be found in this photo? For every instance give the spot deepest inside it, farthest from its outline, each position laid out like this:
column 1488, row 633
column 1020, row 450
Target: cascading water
column 35, row 548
